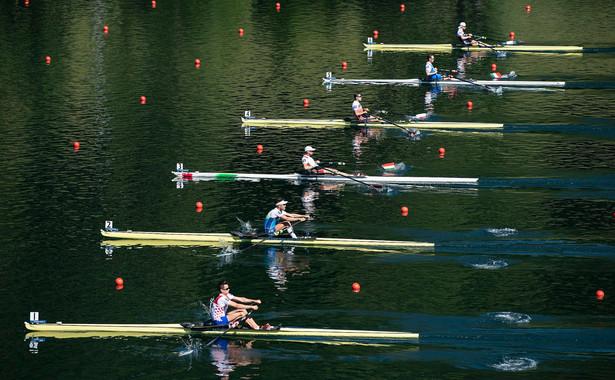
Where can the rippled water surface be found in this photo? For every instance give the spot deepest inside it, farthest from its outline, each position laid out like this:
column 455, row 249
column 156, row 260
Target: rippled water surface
column 509, row 288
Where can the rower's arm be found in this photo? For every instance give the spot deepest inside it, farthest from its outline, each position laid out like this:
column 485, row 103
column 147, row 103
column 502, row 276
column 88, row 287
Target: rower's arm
column 245, row 303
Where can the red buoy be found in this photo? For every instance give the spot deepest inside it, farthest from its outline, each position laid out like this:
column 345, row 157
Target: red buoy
column 153, row 4
column 512, row 35
column 240, row 31
column 494, row 67
column 119, row 281
column 404, row 210
column 441, row 150
column 48, row 59
column 306, row 102
column 356, row 286
column 27, row 2
column 344, row 65
column 143, row 100
column 403, row 7
column 277, row 5
column 528, row 8
column 375, row 33
column 259, row 148
column 599, row 294
column 76, row 145
column 197, row 61
column 470, row 105
column 199, row 205
column 106, row 29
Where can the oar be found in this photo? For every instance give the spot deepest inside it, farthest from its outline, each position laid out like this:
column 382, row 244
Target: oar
column 500, row 41
column 229, row 329
column 411, row 133
column 474, row 83
column 338, row 163
column 381, row 189
column 269, row 237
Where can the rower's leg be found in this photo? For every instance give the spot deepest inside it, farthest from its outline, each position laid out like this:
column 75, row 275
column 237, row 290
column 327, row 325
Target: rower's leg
column 252, row 323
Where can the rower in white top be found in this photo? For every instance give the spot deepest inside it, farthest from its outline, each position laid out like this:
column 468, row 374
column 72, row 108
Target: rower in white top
column 312, row 166
column 466, row 38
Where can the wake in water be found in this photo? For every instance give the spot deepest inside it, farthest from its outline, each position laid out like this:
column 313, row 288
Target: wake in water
column 509, row 317
column 502, row 232
column 480, row 262
column 511, row 364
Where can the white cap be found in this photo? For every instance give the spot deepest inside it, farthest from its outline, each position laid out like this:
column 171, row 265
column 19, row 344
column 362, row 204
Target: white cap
column 309, row 148
column 281, row 203
column 462, row 24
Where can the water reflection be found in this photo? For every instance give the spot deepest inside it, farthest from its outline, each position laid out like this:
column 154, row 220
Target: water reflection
column 282, row 262
column 227, row 355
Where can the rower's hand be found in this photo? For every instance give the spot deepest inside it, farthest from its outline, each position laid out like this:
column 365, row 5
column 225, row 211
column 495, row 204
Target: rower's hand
column 254, row 307
column 257, row 301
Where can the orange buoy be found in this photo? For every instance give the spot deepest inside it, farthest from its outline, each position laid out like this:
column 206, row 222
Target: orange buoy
column 375, row 33
column 106, row 29
column 356, row 286
column 344, row 65
column 404, row 209
column 119, row 281
column 512, row 35
column 470, row 105
column 494, row 67
column 277, row 5
column 199, row 205
column 197, row 61
column 259, row 148
column 441, row 150
column 306, row 102
column 143, row 100
column 48, row 59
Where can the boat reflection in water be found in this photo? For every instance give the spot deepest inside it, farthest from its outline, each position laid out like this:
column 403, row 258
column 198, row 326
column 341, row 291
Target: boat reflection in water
column 282, row 263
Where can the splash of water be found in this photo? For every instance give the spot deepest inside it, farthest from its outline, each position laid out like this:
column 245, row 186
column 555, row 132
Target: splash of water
column 509, row 317
column 511, row 364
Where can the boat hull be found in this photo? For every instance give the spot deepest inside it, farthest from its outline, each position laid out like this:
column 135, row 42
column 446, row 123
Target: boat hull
column 341, row 123
column 450, row 47
column 228, row 238
column 371, row 180
column 89, row 330
column 448, row 82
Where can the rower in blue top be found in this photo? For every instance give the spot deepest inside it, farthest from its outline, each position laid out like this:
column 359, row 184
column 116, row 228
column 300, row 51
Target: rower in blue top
column 430, row 70
column 273, row 226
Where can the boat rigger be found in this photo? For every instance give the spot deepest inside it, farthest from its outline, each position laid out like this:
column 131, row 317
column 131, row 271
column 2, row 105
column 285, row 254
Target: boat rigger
column 450, row 47
column 227, row 238
column 62, row 330
column 371, row 180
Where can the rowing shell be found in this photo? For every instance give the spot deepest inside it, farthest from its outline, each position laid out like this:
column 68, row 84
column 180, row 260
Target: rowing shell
column 447, row 82
column 448, row 47
column 343, row 123
column 184, row 237
column 371, row 180
column 59, row 328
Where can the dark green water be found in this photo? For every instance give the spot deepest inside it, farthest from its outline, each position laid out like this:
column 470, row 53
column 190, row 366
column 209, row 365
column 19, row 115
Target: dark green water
column 509, row 289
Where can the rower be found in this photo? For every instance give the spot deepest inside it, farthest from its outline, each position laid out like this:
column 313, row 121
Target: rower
column 359, row 112
column 273, row 226
column 313, row 167
column 241, row 305
column 466, row 38
column 431, row 71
